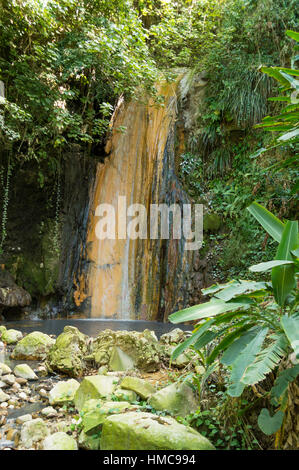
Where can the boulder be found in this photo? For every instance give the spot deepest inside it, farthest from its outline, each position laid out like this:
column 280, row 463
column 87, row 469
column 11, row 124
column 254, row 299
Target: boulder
column 12, row 295
column 67, row 354
column 178, row 399
column 63, row 392
column 60, row 441
column 143, row 388
column 34, row 346
column 169, row 341
column 95, row 386
column 96, row 411
column 11, row 336
column 25, row 372
column 146, row 431
column 32, row 432
column 137, row 350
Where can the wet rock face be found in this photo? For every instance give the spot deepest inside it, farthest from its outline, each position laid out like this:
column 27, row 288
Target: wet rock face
column 145, row 431
column 68, row 353
column 141, row 348
column 34, row 346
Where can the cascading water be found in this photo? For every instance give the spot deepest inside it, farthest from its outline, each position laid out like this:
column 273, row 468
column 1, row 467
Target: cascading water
column 142, row 278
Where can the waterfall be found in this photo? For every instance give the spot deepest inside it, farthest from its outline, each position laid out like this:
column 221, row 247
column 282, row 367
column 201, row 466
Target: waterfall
column 143, row 278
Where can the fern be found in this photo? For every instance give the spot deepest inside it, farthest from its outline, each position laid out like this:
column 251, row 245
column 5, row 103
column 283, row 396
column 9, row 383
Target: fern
column 266, row 361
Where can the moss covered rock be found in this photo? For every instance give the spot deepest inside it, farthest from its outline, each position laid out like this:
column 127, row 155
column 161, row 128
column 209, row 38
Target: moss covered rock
column 96, row 411
column 178, row 399
column 32, row 432
column 125, row 395
column 94, row 387
column 90, row 440
column 143, row 388
column 145, row 431
column 63, row 392
column 2, row 329
column 141, row 350
column 11, row 336
column 60, row 441
column 68, row 352
column 34, row 346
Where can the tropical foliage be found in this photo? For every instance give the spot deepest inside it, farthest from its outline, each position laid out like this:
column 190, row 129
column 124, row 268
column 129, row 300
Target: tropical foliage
column 252, row 325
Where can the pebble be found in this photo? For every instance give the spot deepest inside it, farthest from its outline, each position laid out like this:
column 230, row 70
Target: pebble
column 23, row 396
column 43, row 393
column 4, row 405
column 21, row 381
column 16, row 387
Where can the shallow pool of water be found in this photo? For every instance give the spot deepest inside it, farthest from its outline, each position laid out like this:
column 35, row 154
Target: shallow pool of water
column 92, row 327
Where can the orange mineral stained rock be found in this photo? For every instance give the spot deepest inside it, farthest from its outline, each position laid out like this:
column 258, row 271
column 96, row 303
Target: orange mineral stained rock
column 125, row 276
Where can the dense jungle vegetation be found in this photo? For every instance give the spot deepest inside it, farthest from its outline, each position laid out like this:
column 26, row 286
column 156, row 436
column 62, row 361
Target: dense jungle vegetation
column 64, row 64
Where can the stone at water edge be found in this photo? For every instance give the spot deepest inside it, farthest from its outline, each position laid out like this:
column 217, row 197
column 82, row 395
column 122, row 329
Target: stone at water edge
column 11, row 336
column 95, row 386
column 24, row 418
column 4, row 369
column 49, row 412
column 32, row 432
column 34, row 346
column 69, row 352
column 25, row 372
column 60, row 441
column 178, row 399
column 146, row 431
column 97, row 411
column 9, row 379
column 3, row 396
column 143, row 388
column 63, row 392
